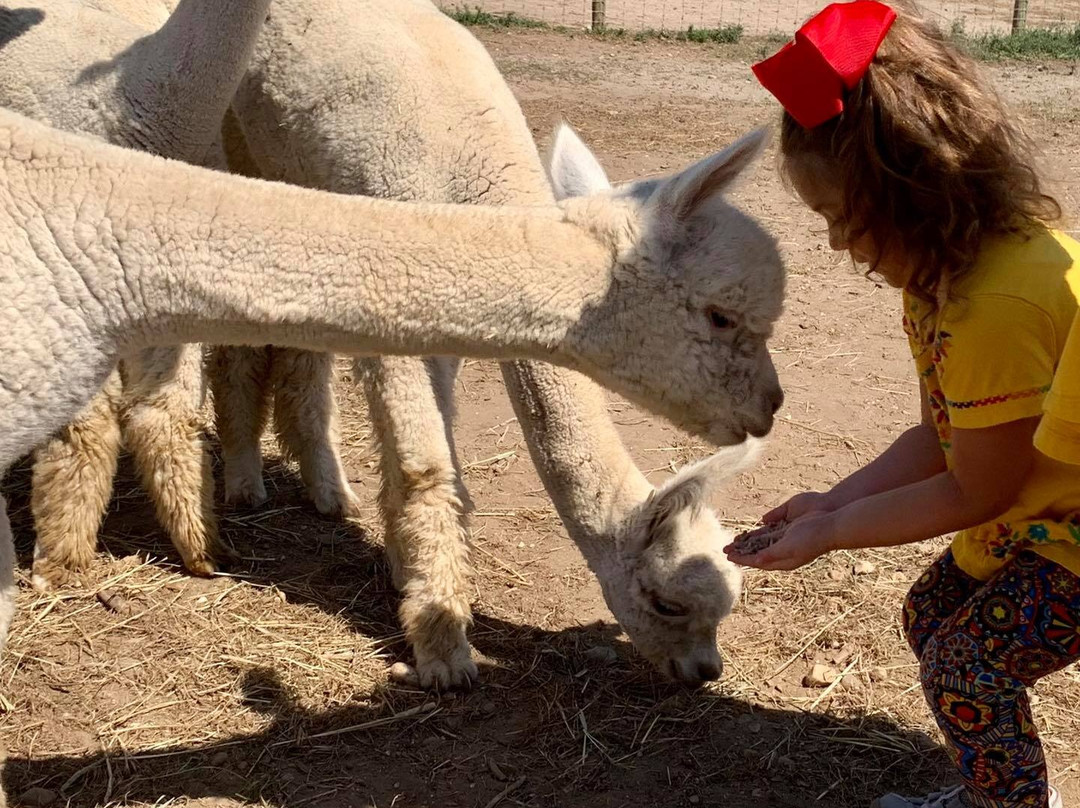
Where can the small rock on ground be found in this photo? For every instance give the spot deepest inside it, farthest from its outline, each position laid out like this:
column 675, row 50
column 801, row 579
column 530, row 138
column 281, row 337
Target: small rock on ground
column 603, row 654
column 820, row 676
column 404, row 674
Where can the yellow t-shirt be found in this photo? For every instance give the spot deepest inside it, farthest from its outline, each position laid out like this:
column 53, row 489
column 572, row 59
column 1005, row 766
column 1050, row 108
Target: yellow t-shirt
column 1058, row 435
column 989, row 357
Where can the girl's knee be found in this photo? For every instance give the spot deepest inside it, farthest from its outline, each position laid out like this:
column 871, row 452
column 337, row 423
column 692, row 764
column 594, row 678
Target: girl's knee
column 930, row 674
column 933, row 599
column 917, row 632
column 955, row 705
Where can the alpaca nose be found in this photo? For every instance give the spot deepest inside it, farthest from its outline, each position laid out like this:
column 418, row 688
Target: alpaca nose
column 760, row 431
column 771, row 401
column 708, row 671
column 776, row 399
column 693, row 669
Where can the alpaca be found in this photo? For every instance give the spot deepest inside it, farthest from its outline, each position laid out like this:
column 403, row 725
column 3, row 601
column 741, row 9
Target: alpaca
column 110, row 251
column 84, row 70
column 422, row 493
column 658, row 554
column 343, row 117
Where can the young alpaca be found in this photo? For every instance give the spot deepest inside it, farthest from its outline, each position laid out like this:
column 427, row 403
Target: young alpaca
column 87, row 71
column 658, row 554
column 471, row 146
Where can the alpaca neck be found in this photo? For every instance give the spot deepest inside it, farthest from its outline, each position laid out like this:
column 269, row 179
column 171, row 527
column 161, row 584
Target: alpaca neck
column 172, row 253
column 578, row 453
column 184, row 76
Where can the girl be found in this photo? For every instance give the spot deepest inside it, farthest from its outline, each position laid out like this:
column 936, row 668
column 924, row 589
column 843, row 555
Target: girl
column 921, row 175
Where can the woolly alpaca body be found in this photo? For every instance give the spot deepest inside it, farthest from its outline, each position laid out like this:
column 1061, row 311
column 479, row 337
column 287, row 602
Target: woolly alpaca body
column 386, row 72
column 110, row 251
column 420, row 113
column 78, row 68
column 417, row 110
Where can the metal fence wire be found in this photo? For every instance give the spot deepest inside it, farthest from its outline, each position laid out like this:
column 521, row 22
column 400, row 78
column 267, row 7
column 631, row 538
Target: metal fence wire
column 759, row 17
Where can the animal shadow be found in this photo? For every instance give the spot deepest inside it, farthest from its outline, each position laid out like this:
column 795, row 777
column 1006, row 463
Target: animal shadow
column 550, row 724
column 14, row 22
column 545, row 739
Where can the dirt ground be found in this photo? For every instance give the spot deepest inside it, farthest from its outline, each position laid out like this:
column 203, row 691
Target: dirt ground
column 270, row 687
column 761, row 17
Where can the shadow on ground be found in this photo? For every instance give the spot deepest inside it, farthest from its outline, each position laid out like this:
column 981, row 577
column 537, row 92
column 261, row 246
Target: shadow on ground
column 547, row 726
column 562, row 737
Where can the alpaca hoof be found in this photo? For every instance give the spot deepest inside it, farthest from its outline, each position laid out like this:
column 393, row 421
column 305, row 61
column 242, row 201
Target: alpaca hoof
column 457, row 674
column 205, row 565
column 46, row 575
column 202, row 567
column 245, row 492
column 404, row 674
column 335, row 501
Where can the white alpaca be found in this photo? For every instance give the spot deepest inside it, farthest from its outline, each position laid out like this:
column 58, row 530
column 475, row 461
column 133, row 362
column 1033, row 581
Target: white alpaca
column 108, row 251
column 395, row 100
column 87, row 71
column 658, row 554
column 411, row 399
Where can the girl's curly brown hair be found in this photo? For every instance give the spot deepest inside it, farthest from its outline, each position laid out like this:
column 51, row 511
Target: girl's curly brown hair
column 926, row 156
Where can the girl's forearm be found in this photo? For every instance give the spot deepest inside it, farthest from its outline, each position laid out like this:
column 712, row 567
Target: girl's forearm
column 915, row 512
column 913, row 457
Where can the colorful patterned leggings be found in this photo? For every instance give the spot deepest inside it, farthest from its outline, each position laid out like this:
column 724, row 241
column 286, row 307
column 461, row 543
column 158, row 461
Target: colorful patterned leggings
column 980, row 644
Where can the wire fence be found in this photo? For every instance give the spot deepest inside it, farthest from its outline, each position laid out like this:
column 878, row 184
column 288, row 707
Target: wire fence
column 759, row 17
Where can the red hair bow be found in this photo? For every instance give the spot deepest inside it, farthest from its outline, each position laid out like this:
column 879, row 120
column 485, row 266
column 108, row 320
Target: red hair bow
column 830, row 54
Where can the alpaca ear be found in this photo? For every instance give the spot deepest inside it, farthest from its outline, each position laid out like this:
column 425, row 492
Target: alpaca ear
column 573, row 168
column 688, row 490
column 682, row 194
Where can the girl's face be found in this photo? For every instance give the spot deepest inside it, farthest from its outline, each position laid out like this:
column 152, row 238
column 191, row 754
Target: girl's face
column 808, row 176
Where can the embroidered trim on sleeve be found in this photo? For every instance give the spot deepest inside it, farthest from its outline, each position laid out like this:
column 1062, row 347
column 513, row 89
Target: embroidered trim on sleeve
column 985, row 402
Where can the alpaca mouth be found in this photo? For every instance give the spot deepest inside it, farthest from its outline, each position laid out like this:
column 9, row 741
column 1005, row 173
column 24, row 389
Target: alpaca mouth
column 759, row 424
column 699, row 674
column 724, row 434
column 759, row 431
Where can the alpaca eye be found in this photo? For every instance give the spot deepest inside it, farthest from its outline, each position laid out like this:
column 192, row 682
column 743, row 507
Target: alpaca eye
column 665, row 608
column 719, row 320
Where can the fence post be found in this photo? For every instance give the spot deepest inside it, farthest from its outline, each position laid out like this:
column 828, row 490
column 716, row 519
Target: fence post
column 1019, row 20
column 598, row 14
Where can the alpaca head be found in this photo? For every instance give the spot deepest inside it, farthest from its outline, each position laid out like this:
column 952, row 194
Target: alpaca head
column 696, row 289
column 667, row 579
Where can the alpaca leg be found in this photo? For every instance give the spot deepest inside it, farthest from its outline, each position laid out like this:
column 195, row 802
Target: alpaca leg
column 7, row 600
column 305, row 418
column 240, row 381
column 424, row 503
column 72, row 482
column 162, row 421
column 7, row 581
